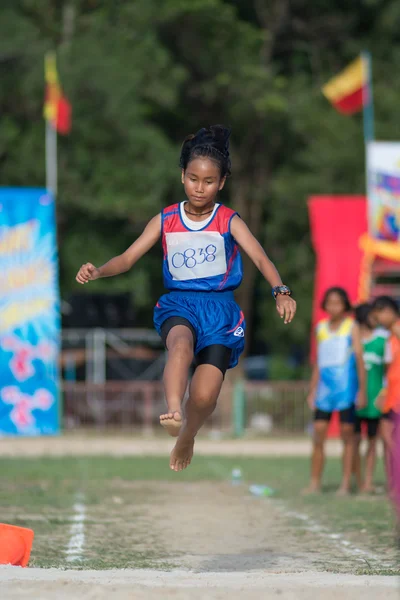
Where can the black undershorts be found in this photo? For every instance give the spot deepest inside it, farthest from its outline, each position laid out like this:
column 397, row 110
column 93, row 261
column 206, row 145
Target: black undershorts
column 372, row 426
column 346, row 416
column 217, row 355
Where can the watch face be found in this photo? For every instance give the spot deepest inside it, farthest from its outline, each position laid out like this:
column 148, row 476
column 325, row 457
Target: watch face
column 282, row 290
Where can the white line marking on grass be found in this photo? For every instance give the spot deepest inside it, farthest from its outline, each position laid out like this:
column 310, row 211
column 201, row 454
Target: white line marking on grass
column 76, row 541
column 310, row 524
column 315, row 527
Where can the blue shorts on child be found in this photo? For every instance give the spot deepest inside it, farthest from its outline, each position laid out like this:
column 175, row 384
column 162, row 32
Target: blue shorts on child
column 214, row 316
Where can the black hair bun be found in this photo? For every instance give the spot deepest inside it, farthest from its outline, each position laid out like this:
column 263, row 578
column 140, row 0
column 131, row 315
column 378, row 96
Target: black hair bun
column 217, row 136
column 212, row 142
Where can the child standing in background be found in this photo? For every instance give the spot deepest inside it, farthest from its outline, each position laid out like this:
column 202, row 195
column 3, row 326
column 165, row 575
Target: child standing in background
column 387, row 313
column 337, row 384
column 374, row 343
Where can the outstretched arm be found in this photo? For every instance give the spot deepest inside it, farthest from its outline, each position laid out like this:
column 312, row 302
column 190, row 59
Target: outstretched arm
column 125, row 261
column 285, row 305
column 255, row 251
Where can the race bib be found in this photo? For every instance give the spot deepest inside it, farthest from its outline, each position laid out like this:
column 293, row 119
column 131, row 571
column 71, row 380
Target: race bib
column 195, row 255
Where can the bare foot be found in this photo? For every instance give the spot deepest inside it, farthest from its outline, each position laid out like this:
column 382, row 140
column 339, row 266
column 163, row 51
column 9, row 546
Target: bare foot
column 311, row 489
column 181, row 455
column 343, row 492
column 172, row 422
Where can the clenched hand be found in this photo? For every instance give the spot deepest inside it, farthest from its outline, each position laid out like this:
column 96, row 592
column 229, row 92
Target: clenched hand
column 86, row 273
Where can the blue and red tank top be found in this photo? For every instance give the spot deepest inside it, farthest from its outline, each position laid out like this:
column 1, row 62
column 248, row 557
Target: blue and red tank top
column 200, row 256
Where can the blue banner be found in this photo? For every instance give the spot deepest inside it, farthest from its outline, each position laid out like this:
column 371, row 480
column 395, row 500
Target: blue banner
column 29, row 313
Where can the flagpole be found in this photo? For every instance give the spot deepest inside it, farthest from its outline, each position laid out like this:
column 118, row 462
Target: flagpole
column 51, row 158
column 51, row 79
column 368, row 99
column 369, row 136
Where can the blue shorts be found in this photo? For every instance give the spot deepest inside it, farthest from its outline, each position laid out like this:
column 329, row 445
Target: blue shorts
column 214, row 316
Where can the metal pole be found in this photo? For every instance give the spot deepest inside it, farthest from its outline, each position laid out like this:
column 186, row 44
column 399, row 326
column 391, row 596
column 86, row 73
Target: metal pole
column 99, row 356
column 239, row 409
column 368, row 100
column 89, row 357
column 369, row 136
column 51, row 159
column 99, row 374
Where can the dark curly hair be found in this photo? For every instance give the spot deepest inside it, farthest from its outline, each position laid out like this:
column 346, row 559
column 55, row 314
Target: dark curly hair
column 212, row 143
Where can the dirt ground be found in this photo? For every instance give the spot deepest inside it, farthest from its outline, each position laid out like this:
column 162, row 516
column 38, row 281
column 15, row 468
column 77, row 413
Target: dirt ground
column 220, row 545
column 214, row 527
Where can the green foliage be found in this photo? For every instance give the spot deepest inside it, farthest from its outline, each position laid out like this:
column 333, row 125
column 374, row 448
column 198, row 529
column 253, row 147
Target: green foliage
column 142, row 75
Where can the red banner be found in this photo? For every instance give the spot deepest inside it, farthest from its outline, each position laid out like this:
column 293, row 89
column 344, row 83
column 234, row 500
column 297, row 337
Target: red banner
column 337, row 223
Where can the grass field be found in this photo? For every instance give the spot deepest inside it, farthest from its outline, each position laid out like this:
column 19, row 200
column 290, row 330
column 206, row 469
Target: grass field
column 139, row 514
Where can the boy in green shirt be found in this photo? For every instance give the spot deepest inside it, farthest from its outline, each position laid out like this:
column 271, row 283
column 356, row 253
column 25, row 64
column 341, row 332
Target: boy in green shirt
column 374, row 344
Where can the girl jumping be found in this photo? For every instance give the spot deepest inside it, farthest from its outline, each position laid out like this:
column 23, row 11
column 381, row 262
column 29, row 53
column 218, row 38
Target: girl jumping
column 198, row 319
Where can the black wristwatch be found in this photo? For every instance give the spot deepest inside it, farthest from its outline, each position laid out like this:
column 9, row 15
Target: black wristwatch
column 281, row 290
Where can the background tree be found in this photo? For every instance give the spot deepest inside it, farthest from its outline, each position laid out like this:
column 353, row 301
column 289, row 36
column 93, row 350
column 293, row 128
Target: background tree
column 142, row 75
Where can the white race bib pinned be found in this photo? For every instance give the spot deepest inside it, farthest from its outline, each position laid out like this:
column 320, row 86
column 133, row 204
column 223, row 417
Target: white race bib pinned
column 195, row 254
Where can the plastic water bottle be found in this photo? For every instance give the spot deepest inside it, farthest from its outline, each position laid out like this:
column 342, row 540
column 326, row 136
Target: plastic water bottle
column 236, row 476
column 261, row 490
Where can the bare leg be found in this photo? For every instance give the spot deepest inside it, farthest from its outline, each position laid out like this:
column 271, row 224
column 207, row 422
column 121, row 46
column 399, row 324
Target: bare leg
column 370, row 462
column 318, row 457
column 357, row 460
column 203, row 395
column 347, row 435
column 387, row 430
column 176, row 373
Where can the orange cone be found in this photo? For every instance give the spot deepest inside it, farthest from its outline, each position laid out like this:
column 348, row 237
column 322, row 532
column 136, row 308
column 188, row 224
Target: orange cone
column 15, row 545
